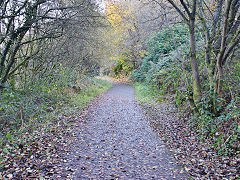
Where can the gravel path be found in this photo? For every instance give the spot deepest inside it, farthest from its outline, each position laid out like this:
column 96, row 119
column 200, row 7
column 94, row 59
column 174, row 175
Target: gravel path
column 117, row 142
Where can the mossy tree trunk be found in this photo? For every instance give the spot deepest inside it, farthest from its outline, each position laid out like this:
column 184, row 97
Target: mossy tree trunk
column 189, row 16
column 195, row 71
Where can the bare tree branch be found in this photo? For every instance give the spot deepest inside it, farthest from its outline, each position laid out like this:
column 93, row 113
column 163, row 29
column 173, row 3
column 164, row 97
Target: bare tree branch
column 179, row 11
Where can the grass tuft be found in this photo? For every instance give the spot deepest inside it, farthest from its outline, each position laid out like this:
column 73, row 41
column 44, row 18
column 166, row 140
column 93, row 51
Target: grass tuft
column 84, row 97
column 145, row 94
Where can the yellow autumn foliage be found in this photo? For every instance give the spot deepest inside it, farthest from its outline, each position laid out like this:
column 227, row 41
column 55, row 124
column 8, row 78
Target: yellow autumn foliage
column 120, row 17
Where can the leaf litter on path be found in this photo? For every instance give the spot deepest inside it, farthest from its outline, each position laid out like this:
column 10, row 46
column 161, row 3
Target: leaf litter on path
column 111, row 139
column 198, row 157
column 117, row 142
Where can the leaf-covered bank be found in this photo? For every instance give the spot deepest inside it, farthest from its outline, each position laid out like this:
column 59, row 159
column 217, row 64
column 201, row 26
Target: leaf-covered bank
column 35, row 121
column 199, row 157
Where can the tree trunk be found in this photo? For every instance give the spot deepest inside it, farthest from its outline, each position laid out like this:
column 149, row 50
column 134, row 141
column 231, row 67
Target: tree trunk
column 195, row 71
column 219, row 84
column 226, row 29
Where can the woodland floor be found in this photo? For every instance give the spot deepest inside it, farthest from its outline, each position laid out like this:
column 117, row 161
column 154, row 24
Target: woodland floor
column 114, row 139
column 197, row 156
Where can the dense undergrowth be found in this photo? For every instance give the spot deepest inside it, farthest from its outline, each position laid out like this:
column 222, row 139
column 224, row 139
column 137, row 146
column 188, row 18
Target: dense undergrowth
column 26, row 114
column 165, row 74
column 199, row 157
column 222, row 133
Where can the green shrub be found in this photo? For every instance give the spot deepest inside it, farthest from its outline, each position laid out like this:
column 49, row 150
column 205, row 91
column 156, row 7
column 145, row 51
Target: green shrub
column 166, row 71
column 161, row 46
column 222, row 128
column 167, row 40
column 137, row 75
column 37, row 107
column 123, row 66
column 146, row 94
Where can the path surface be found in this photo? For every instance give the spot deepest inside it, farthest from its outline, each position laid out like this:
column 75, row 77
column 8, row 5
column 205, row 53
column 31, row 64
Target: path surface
column 117, row 142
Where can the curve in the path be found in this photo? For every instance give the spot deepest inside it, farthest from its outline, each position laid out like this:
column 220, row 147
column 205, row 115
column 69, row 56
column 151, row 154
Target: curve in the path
column 117, row 142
